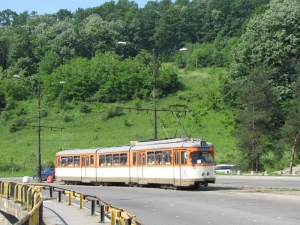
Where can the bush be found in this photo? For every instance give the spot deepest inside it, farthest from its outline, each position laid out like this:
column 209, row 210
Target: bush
column 21, row 112
column 11, row 104
column 5, row 115
column 112, row 112
column 68, row 118
column 18, row 125
column 85, row 109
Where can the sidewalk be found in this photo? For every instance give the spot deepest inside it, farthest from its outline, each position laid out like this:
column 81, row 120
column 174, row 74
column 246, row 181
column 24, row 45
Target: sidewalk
column 60, row 213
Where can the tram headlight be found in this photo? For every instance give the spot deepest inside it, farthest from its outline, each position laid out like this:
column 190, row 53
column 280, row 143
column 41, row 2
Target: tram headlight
column 203, row 174
column 207, row 173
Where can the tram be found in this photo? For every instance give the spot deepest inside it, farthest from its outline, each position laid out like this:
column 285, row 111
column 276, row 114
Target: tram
column 171, row 163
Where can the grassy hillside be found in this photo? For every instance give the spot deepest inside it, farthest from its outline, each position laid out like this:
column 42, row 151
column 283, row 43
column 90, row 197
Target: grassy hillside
column 102, row 127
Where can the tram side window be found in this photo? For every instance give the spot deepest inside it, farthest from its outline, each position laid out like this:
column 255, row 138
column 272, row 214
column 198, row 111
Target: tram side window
column 76, row 160
column 116, row 159
column 101, row 160
column 158, row 157
column 70, row 161
column 167, row 156
column 92, row 160
column 134, row 158
column 150, row 157
column 64, row 161
column 83, row 161
column 184, row 157
column 108, row 160
column 123, row 158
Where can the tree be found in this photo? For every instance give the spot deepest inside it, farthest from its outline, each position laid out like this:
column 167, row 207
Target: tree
column 291, row 128
column 50, row 61
column 258, row 115
column 270, row 38
column 166, row 30
column 4, row 49
column 99, row 35
column 6, row 17
column 64, row 14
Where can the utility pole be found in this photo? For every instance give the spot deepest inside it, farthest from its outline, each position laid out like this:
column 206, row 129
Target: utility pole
column 153, row 69
column 39, row 167
column 37, row 92
column 154, row 92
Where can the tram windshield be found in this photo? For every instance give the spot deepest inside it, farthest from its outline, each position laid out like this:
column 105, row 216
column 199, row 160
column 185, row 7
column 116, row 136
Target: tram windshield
column 201, row 157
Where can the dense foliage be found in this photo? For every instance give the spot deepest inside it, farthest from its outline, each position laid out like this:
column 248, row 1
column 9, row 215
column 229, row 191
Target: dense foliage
column 263, row 84
column 257, row 40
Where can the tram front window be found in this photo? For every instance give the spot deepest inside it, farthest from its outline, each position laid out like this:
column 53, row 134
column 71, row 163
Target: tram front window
column 201, row 157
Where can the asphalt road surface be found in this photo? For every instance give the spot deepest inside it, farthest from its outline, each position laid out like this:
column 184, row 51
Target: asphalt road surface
column 232, row 200
column 260, row 181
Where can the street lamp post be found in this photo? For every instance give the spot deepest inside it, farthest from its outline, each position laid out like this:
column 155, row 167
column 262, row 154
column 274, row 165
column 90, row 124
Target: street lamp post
column 154, row 92
column 39, row 167
column 38, row 95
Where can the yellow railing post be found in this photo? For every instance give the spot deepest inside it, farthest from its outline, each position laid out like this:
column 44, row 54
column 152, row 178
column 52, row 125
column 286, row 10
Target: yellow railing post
column 28, row 199
column 113, row 217
column 81, row 201
column 16, row 195
column 70, row 198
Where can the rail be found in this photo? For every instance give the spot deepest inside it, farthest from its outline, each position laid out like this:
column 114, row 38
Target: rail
column 27, row 198
column 117, row 215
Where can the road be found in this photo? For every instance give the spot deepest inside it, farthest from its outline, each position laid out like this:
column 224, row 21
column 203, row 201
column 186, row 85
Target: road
column 232, row 200
column 260, row 181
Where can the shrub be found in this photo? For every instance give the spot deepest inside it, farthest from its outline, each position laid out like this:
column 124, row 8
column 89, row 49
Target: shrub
column 68, row 118
column 21, row 112
column 85, row 109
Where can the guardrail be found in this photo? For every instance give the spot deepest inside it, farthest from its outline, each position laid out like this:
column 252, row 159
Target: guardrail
column 117, row 215
column 24, row 196
column 29, row 198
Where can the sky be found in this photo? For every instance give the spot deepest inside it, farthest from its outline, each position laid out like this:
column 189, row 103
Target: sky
column 53, row 6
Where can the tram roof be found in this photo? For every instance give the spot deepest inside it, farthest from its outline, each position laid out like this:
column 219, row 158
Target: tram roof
column 172, row 143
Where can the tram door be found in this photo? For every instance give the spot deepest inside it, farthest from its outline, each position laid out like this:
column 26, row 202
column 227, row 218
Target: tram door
column 84, row 168
column 141, row 167
column 180, row 167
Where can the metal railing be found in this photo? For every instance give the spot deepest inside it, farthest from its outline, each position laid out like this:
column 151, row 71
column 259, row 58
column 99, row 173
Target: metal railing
column 117, row 215
column 27, row 197
column 30, row 198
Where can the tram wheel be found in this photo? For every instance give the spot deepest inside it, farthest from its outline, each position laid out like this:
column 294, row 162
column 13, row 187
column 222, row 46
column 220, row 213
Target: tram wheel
column 205, row 184
column 197, row 186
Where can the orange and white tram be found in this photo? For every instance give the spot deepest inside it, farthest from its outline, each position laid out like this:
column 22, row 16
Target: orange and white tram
column 173, row 163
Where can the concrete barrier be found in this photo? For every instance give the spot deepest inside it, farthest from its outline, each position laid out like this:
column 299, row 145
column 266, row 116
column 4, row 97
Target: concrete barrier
column 21, row 202
column 11, row 212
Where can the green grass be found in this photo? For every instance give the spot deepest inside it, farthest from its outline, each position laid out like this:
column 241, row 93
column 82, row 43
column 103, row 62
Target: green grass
column 92, row 130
